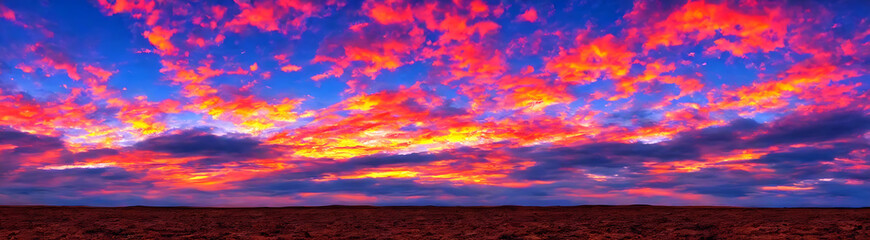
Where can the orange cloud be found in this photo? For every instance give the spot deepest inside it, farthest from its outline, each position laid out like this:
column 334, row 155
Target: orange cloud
column 533, row 93
column 276, row 15
column 290, row 68
column 376, row 51
column 599, row 58
column 389, row 12
column 801, row 80
column 763, row 31
column 160, row 38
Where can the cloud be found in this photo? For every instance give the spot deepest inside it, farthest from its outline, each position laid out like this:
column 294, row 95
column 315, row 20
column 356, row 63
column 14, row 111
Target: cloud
column 29, row 143
column 202, row 143
column 249, row 103
column 15, row 145
column 530, row 15
column 815, row 128
column 592, row 59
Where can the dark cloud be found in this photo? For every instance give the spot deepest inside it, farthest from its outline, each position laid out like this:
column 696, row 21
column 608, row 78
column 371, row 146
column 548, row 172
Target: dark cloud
column 447, row 110
column 74, row 186
column 720, row 138
column 7, row 165
column 837, row 189
column 368, row 186
column 202, row 143
column 812, row 128
column 29, row 143
column 83, row 178
column 88, row 155
column 633, row 117
column 812, row 162
column 805, row 155
column 559, row 162
column 25, row 144
column 719, row 182
column 792, row 165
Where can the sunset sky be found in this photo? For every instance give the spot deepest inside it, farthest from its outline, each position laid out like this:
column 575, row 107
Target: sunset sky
column 462, row 102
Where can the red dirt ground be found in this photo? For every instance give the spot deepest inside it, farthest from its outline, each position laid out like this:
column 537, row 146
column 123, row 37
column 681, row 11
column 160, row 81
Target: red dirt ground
column 343, row 222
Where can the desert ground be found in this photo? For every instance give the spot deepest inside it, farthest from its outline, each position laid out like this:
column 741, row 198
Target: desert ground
column 363, row 222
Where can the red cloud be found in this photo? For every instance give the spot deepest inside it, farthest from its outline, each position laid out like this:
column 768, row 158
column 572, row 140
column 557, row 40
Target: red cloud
column 601, row 57
column 529, row 15
column 160, row 38
column 436, row 101
column 762, row 31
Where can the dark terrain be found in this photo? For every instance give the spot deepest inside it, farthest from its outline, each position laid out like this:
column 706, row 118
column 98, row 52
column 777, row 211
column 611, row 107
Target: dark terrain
column 345, row 222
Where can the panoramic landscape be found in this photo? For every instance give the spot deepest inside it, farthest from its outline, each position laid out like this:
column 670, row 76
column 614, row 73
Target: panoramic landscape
column 731, row 118
column 363, row 222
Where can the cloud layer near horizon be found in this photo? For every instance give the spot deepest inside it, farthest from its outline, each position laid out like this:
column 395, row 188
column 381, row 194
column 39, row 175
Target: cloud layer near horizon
column 467, row 102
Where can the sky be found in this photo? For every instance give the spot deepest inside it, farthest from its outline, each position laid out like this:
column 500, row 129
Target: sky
column 462, row 102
